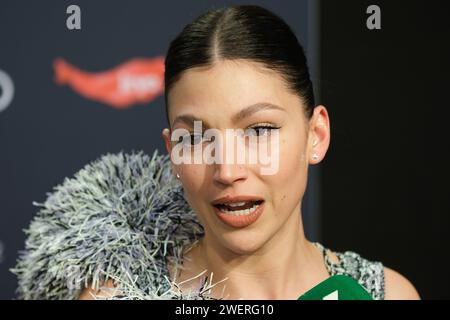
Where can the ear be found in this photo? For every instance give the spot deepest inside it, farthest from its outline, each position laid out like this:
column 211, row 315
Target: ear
column 168, row 143
column 166, row 138
column 319, row 135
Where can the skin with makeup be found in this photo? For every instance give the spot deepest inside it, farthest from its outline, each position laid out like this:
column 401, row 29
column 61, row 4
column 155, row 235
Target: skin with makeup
column 246, row 254
column 254, row 236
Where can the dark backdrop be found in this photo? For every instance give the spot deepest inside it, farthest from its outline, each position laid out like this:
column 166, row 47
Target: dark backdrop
column 385, row 190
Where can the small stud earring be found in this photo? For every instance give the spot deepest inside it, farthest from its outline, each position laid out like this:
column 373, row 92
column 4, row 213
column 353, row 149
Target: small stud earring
column 315, row 156
column 178, row 176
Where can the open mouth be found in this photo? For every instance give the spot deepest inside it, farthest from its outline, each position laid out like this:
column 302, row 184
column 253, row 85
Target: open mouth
column 238, row 211
column 240, row 208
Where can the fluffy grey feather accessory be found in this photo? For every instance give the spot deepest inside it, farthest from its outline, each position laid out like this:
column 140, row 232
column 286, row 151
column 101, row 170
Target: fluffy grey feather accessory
column 121, row 217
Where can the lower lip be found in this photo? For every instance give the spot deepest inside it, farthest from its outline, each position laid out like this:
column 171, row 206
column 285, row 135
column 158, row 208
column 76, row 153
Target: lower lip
column 240, row 221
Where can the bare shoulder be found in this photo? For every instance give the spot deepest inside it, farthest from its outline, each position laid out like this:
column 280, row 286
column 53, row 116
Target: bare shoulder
column 397, row 287
column 106, row 290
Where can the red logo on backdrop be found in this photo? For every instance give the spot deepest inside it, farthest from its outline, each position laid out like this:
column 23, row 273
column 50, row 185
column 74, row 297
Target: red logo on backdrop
column 139, row 80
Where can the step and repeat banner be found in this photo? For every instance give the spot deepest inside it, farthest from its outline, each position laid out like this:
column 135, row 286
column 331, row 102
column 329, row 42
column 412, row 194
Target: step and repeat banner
column 79, row 79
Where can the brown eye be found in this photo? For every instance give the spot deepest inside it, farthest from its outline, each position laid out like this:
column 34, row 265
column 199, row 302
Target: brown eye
column 260, row 131
column 195, row 139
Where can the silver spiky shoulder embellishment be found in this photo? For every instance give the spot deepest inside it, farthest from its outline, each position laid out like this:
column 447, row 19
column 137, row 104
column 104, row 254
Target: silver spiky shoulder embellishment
column 121, row 217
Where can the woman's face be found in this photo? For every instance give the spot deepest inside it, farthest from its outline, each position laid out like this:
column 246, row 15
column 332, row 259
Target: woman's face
column 216, row 96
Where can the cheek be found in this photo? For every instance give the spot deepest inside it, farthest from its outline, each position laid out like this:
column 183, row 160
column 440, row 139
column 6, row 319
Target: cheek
column 193, row 178
column 288, row 185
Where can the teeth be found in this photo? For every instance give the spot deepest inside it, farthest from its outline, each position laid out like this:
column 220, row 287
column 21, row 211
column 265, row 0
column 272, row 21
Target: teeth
column 240, row 212
column 236, row 204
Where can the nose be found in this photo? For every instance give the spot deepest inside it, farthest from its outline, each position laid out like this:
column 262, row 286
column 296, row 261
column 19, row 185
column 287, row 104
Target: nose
column 228, row 174
column 230, row 169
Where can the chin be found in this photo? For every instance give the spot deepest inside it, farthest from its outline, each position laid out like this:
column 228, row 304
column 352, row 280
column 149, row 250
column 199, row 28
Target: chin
column 243, row 243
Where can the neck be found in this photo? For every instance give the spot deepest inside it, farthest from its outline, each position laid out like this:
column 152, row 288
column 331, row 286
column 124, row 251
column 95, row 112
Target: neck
column 283, row 268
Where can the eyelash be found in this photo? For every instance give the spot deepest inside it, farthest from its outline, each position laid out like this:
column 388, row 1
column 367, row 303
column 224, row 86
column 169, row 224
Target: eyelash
column 267, row 126
column 257, row 128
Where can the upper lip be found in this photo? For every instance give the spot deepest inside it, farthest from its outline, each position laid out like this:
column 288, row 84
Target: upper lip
column 232, row 199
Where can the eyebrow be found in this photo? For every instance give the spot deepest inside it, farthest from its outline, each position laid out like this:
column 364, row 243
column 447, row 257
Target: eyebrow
column 248, row 111
column 189, row 120
column 244, row 113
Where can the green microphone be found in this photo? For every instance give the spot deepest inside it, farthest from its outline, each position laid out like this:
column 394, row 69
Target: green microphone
column 337, row 287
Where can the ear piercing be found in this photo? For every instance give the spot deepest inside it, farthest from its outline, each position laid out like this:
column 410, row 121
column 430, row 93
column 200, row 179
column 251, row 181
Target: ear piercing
column 314, row 155
column 178, row 176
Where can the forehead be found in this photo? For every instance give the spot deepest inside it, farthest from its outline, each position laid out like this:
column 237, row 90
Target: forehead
column 228, row 86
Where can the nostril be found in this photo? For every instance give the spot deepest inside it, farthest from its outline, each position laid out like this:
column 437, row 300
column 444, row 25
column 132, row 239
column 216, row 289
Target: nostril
column 229, row 173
